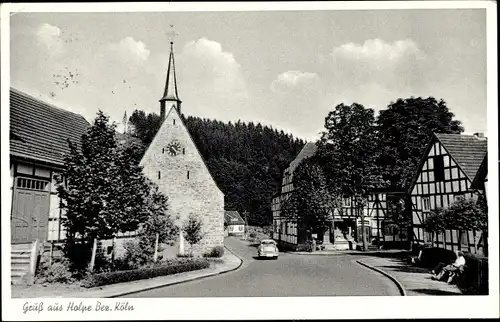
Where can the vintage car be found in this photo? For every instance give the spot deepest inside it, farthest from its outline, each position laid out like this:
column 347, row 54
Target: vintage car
column 268, row 248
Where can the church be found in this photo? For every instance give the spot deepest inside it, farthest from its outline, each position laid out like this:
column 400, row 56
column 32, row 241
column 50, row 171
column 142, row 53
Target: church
column 174, row 163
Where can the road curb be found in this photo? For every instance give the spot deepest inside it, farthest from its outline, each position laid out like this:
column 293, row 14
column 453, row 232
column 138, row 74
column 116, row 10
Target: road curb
column 392, row 278
column 184, row 281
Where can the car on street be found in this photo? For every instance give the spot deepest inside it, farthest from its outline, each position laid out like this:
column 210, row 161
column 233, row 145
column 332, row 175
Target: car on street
column 268, row 248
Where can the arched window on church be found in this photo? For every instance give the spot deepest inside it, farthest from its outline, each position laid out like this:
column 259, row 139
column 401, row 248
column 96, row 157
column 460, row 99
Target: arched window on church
column 188, row 174
column 183, row 150
column 162, row 150
column 174, row 122
column 159, row 175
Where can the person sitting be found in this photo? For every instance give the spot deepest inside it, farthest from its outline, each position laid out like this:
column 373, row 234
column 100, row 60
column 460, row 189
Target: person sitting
column 442, row 270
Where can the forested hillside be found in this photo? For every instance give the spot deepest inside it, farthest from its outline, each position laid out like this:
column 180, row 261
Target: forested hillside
column 246, row 159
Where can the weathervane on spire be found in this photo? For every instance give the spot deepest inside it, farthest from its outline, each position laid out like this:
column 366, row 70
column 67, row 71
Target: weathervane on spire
column 171, row 35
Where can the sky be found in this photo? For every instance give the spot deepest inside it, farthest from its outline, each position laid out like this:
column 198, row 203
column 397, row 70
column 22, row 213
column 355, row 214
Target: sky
column 286, row 69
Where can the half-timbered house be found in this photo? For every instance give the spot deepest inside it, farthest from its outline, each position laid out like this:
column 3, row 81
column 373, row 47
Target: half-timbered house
column 345, row 231
column 447, row 168
column 38, row 141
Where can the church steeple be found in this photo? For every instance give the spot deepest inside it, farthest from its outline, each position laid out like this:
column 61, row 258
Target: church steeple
column 170, row 95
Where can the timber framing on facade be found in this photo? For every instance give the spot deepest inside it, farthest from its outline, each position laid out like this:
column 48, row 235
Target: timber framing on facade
column 346, row 226
column 38, row 142
column 446, row 171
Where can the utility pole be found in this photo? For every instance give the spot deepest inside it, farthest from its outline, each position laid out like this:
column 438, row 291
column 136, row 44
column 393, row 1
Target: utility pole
column 246, row 223
column 363, row 235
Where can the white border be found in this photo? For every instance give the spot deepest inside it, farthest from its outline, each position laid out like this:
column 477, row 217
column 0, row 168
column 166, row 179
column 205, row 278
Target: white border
column 267, row 308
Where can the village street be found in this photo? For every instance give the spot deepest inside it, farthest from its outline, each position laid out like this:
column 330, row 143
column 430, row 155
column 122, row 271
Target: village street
column 290, row 275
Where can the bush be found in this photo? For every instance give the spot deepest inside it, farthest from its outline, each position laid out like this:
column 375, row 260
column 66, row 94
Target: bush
column 185, row 255
column 216, row 252
column 138, row 252
column 78, row 256
column 143, row 273
column 58, row 272
column 252, row 235
column 435, row 255
column 475, row 278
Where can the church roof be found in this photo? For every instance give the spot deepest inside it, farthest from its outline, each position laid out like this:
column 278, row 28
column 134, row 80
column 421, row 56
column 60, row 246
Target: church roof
column 39, row 131
column 170, row 92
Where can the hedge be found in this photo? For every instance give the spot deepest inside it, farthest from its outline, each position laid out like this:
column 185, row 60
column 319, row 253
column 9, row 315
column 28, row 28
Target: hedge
column 475, row 278
column 143, row 273
column 435, row 255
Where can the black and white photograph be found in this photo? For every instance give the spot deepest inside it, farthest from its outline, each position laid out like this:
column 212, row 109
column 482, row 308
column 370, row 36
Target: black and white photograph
column 249, row 160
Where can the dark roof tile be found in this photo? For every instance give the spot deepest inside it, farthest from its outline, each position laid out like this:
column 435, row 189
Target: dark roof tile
column 233, row 218
column 40, row 130
column 467, row 150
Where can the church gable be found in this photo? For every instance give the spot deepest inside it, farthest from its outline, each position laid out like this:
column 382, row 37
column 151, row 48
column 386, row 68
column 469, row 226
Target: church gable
column 173, row 158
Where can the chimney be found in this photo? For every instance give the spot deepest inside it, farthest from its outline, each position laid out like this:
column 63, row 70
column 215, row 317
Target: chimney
column 479, row 136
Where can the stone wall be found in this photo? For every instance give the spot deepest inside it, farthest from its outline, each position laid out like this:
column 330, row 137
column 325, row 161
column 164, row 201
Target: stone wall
column 186, row 181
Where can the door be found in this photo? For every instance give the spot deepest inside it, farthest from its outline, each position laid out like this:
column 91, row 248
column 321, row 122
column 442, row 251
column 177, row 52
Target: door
column 30, row 210
column 368, row 236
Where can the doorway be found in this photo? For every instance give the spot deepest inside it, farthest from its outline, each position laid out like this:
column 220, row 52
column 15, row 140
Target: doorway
column 30, row 210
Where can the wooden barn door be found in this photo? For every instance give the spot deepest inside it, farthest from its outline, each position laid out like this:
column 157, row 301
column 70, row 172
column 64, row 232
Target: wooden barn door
column 30, row 210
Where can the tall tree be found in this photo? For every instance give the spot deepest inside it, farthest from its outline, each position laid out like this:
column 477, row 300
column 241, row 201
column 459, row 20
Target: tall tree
column 348, row 152
column 105, row 191
column 405, row 128
column 313, row 200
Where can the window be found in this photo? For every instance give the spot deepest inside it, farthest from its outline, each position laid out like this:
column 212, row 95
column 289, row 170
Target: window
column 174, row 122
column 183, row 150
column 159, row 175
column 188, row 174
column 163, row 150
column 32, row 184
column 438, row 168
column 426, row 204
column 347, row 202
column 241, row 228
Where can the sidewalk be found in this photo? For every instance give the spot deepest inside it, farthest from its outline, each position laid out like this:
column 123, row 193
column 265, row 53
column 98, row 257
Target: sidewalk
column 349, row 252
column 231, row 262
column 416, row 281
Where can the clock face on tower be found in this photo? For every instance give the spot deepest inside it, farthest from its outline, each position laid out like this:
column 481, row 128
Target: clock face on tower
column 173, row 148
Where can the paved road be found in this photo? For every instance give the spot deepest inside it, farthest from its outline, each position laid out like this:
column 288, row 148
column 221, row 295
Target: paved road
column 290, row 275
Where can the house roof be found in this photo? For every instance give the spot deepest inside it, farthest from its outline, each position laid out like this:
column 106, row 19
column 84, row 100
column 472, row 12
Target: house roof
column 233, row 218
column 468, row 151
column 481, row 174
column 39, row 131
column 307, row 151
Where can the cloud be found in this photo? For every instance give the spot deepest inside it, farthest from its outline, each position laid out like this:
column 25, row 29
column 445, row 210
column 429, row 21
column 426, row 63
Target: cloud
column 290, row 80
column 394, row 65
column 49, row 37
column 128, row 50
column 210, row 78
column 377, row 51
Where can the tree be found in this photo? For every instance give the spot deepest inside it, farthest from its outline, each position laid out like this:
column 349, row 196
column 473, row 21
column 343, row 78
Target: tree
column 463, row 214
column 193, row 231
column 348, row 152
column 312, row 201
column 404, row 130
column 102, row 187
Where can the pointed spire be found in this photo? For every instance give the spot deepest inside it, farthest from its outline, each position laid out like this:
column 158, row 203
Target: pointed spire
column 170, row 94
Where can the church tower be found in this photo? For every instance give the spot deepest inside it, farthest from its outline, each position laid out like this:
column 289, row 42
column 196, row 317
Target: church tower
column 174, row 163
column 170, row 95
